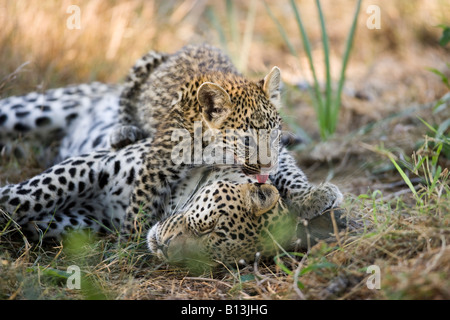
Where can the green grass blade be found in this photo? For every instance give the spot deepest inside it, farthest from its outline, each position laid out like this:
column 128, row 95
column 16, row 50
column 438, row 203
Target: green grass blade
column 317, row 266
column 435, row 157
column 329, row 121
column 50, row 272
column 443, row 127
column 418, row 165
column 307, row 48
column 427, row 124
column 435, row 178
column 282, row 266
column 311, row 91
column 405, row 177
column 281, row 31
column 348, row 48
column 443, row 77
column 445, row 38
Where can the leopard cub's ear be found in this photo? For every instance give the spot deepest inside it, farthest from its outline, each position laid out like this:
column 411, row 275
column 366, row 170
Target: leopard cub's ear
column 215, row 104
column 260, row 198
column 271, row 86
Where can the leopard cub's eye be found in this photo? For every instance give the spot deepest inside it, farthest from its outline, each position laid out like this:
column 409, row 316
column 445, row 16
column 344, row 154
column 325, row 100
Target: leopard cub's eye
column 275, row 134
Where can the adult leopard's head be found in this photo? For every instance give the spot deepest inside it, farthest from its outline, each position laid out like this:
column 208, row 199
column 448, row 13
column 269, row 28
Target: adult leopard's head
column 245, row 115
column 225, row 222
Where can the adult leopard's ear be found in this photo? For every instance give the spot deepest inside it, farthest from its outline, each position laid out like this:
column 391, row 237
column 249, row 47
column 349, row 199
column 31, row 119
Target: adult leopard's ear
column 271, row 86
column 260, row 198
column 215, row 103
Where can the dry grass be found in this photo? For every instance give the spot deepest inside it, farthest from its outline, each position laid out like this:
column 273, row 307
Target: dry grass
column 412, row 250
column 387, row 74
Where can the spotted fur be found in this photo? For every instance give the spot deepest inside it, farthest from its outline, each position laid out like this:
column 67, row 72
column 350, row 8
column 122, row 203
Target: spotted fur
column 196, row 84
column 78, row 118
column 135, row 186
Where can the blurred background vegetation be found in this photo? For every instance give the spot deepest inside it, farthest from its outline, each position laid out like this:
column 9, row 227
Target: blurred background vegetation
column 386, row 69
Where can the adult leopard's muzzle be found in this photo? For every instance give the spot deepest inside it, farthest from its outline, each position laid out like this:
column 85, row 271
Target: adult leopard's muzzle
column 176, row 249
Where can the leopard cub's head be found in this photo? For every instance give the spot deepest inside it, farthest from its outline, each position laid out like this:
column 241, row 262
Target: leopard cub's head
column 226, row 222
column 245, row 115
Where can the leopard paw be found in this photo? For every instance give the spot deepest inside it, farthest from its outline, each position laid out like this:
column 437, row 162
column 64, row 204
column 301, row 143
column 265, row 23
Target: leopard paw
column 125, row 135
column 318, row 200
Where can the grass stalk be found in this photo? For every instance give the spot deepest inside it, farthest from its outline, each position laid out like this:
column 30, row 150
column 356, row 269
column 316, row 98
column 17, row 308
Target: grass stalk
column 348, row 48
column 329, row 120
column 318, row 102
column 281, row 30
column 327, row 104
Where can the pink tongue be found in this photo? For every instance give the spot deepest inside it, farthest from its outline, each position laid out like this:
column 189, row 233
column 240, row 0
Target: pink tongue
column 262, row 178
